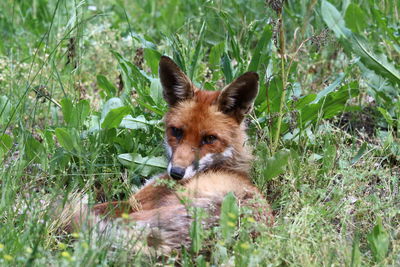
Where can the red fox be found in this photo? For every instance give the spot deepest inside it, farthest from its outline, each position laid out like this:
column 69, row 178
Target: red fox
column 207, row 155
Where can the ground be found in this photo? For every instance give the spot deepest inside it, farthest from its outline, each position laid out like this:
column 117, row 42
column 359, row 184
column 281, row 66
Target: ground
column 81, row 112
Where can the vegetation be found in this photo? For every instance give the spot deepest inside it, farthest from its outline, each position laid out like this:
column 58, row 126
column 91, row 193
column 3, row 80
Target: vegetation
column 81, row 111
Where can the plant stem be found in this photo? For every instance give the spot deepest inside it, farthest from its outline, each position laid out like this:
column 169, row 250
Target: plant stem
column 283, row 76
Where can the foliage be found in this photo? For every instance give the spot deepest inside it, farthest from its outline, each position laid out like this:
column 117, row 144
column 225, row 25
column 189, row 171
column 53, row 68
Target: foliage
column 81, row 109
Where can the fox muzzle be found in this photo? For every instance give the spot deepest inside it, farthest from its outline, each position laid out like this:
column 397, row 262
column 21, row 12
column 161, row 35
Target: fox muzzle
column 177, row 173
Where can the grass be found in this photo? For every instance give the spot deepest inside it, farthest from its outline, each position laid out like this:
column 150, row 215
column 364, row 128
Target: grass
column 81, row 109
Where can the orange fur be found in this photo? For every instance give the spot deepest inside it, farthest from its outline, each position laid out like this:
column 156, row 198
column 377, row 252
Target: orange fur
column 206, row 141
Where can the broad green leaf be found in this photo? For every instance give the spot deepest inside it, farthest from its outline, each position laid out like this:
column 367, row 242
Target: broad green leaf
column 227, row 68
column 33, row 149
column 67, row 110
column 229, row 216
column 130, row 122
column 152, row 58
column 6, row 143
column 156, row 91
column 377, row 62
column 144, row 165
column 157, row 162
column 333, row 19
column 355, row 253
column 108, row 87
column 355, row 18
column 114, row 117
column 333, row 103
column 261, row 99
column 382, row 90
column 75, row 115
column 274, row 92
column 112, row 103
column 139, row 122
column 357, row 44
column 305, row 100
column 264, row 40
column 158, row 110
column 48, row 136
column 81, row 111
column 276, row 165
column 378, row 241
column 65, row 139
column 386, row 115
column 329, row 88
column 216, row 52
column 336, row 102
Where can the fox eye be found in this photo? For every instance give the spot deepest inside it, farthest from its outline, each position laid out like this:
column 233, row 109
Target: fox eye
column 208, row 139
column 177, row 132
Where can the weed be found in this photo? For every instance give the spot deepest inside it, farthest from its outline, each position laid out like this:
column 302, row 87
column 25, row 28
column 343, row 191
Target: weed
column 81, row 111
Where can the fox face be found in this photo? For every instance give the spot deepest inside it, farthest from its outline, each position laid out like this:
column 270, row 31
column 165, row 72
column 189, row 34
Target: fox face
column 204, row 129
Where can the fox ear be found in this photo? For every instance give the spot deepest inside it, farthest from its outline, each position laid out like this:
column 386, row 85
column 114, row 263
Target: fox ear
column 176, row 85
column 237, row 98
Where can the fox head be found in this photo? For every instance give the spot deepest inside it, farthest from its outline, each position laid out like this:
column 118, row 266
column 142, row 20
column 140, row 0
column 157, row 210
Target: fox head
column 204, row 129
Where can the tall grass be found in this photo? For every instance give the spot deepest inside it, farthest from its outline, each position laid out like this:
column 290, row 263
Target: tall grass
column 81, row 110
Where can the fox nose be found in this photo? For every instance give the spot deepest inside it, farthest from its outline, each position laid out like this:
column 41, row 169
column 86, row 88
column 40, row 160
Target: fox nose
column 177, row 173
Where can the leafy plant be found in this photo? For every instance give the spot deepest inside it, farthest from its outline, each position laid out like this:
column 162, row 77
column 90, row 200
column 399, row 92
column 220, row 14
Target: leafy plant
column 379, row 241
column 81, row 109
column 228, row 217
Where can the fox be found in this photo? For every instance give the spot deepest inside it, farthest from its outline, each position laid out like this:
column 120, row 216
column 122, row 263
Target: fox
column 208, row 157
